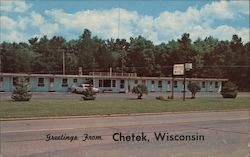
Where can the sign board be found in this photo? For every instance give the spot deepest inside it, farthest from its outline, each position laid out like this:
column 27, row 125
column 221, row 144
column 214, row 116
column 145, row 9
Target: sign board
column 188, row 66
column 80, row 70
column 178, row 69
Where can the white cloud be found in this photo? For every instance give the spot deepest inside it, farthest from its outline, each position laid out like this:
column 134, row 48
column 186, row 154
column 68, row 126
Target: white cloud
column 217, row 10
column 101, row 22
column 199, row 22
column 12, row 30
column 239, row 7
column 225, row 9
column 18, row 6
column 23, row 23
column 223, row 32
column 244, row 34
column 45, row 27
column 104, row 23
column 7, row 23
column 172, row 25
column 14, row 36
column 37, row 19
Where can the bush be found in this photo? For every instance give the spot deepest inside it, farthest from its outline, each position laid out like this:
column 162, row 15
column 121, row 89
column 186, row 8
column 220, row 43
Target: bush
column 140, row 90
column 171, row 97
column 229, row 90
column 193, row 87
column 159, row 98
column 21, row 91
column 88, row 94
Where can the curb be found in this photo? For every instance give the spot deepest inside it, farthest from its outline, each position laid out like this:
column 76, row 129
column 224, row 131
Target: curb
column 117, row 115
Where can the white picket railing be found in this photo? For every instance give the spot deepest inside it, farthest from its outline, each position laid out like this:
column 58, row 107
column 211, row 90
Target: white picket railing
column 113, row 74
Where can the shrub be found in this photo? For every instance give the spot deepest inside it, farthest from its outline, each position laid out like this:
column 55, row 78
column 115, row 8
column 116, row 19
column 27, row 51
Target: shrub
column 229, row 90
column 171, row 97
column 21, row 91
column 140, row 90
column 159, row 98
column 193, row 87
column 88, row 94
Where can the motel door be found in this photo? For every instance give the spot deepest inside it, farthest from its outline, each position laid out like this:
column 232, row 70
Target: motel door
column 152, row 86
column 74, row 82
column 168, row 86
column 51, row 85
column 122, row 86
column 1, row 83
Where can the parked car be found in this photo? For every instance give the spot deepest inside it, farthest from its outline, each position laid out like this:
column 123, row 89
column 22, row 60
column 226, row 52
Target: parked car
column 83, row 87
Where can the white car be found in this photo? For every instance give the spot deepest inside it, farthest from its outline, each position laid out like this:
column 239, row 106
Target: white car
column 82, row 87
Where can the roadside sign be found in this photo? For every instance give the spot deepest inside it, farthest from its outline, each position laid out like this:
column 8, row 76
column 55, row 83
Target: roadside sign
column 178, row 69
column 188, row 66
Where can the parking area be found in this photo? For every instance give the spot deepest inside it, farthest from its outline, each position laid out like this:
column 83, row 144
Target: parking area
column 69, row 95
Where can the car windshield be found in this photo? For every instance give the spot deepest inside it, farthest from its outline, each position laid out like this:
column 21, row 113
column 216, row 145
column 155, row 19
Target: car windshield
column 85, row 85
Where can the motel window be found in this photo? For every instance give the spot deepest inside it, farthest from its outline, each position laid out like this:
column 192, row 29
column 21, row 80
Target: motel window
column 106, row 83
column 51, row 80
column 27, row 79
column 100, row 83
column 14, row 81
column 136, row 81
column 175, row 84
column 216, row 85
column 89, row 81
column 223, row 83
column 159, row 84
column 203, row 84
column 1, row 81
column 122, row 84
column 40, row 82
column 113, row 83
column 74, row 80
column 64, row 82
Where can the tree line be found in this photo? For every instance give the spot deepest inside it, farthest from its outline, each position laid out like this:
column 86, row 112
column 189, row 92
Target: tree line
column 210, row 57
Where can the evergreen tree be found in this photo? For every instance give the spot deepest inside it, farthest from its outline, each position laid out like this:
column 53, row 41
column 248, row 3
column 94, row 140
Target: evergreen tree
column 21, row 91
column 89, row 94
column 193, row 87
column 140, row 90
column 229, row 90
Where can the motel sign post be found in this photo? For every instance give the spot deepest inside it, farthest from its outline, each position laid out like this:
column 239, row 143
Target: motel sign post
column 180, row 69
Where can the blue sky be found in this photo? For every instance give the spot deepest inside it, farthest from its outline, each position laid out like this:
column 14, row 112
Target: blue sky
column 159, row 21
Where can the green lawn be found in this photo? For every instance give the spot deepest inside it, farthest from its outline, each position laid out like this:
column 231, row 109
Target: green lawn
column 74, row 107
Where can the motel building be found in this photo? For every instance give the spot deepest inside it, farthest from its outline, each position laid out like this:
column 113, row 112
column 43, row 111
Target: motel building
column 106, row 82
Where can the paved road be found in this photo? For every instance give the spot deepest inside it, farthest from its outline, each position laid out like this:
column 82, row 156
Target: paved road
column 69, row 95
column 226, row 134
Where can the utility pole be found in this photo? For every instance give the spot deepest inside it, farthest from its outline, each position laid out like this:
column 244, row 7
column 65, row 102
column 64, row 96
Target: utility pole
column 0, row 63
column 187, row 67
column 184, row 83
column 122, row 62
column 172, row 86
column 1, row 48
column 63, row 62
column 123, row 59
